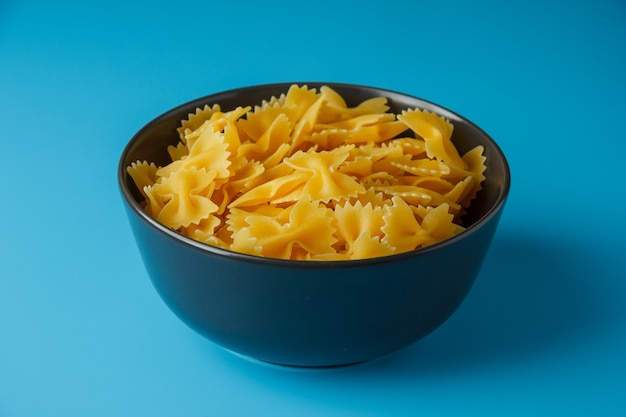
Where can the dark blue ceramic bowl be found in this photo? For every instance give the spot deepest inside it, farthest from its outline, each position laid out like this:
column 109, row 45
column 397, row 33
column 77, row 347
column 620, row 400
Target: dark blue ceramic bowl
column 312, row 314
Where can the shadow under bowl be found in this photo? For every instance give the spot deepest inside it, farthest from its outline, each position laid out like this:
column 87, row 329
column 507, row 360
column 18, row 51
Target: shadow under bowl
column 308, row 313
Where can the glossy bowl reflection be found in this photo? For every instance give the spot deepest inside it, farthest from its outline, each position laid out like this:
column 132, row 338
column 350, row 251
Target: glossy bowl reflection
column 308, row 313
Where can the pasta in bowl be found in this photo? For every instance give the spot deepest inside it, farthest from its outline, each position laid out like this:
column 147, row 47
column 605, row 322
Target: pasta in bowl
column 313, row 224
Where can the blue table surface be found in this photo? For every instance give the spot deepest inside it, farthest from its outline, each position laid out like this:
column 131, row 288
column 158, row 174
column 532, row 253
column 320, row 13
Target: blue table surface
column 82, row 330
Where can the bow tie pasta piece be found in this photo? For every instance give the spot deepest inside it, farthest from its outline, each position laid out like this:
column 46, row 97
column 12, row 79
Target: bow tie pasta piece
column 237, row 219
column 304, row 176
column 326, row 183
column 367, row 246
column 326, row 139
column 266, row 175
column 309, row 228
column 423, row 167
column 209, row 151
column 359, row 230
column 276, row 188
column 439, row 224
column 245, row 173
column 413, row 195
column 436, row 132
column 430, row 182
column 375, row 133
column 412, row 146
column 390, row 165
column 353, row 219
column 232, row 137
column 177, row 152
column 204, row 231
column 370, row 196
column 187, row 197
column 143, row 174
column 403, row 232
column 298, row 102
column 381, row 132
column 278, row 156
column 215, row 123
column 364, row 158
column 475, row 161
column 300, row 105
column 459, row 193
column 336, row 109
column 275, row 137
column 359, row 121
column 420, row 196
column 257, row 122
column 305, row 126
column 195, row 120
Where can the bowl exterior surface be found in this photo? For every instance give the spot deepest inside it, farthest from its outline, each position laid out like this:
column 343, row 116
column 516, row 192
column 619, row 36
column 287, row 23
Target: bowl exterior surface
column 307, row 316
column 312, row 313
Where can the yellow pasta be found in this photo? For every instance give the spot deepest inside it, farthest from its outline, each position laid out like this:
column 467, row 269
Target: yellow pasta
column 303, row 176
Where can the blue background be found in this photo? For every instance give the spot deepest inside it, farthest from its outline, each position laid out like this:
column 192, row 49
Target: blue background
column 82, row 331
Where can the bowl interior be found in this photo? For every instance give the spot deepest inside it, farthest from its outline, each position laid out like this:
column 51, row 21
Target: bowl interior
column 151, row 142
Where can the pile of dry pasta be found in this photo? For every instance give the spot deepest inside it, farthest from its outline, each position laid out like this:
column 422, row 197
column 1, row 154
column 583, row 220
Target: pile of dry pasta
column 303, row 176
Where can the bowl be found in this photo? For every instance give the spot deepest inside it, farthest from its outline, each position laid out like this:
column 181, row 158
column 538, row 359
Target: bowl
column 312, row 313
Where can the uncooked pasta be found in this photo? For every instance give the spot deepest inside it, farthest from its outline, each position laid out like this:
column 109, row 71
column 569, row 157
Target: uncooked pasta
column 303, row 176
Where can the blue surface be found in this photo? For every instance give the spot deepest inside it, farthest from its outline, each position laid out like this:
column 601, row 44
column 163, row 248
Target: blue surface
column 82, row 331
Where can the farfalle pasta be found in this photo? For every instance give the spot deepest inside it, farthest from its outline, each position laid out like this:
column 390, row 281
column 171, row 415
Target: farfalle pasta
column 303, row 176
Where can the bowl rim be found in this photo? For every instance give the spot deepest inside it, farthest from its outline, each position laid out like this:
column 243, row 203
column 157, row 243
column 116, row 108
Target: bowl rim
column 289, row 263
